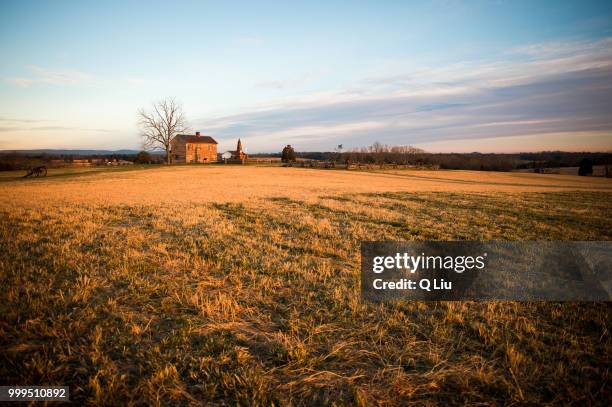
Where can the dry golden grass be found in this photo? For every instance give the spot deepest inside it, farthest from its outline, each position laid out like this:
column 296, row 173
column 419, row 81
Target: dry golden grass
column 199, row 285
column 237, row 184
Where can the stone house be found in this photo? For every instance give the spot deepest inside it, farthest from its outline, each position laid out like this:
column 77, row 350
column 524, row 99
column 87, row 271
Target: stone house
column 188, row 148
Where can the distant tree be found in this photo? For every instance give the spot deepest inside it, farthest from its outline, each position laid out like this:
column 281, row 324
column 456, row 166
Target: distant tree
column 338, row 153
column 159, row 125
column 143, row 157
column 288, row 154
column 585, row 167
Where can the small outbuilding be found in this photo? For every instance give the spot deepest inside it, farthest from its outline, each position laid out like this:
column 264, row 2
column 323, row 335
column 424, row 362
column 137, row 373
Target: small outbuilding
column 237, row 156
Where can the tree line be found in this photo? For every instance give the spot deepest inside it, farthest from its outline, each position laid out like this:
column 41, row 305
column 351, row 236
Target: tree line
column 378, row 153
column 22, row 161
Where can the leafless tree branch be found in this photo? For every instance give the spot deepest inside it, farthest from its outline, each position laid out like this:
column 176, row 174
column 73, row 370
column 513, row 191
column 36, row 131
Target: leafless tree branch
column 161, row 124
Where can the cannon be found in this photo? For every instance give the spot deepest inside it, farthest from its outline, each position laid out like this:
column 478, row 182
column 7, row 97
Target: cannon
column 37, row 172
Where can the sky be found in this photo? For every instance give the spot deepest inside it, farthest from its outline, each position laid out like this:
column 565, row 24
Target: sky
column 446, row 76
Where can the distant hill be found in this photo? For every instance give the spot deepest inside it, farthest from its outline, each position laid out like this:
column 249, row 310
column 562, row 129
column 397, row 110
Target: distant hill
column 76, row 152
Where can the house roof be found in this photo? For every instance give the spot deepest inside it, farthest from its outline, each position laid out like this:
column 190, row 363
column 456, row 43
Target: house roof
column 192, row 138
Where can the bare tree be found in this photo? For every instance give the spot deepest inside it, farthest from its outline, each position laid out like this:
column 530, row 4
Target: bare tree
column 378, row 151
column 160, row 124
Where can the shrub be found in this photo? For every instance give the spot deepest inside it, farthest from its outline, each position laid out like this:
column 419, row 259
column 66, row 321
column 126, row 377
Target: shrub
column 288, row 154
column 143, row 158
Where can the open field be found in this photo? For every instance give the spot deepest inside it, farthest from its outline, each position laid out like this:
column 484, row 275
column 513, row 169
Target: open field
column 194, row 285
column 219, row 183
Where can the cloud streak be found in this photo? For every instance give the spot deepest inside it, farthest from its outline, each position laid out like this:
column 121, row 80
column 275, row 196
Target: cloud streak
column 40, row 75
column 17, row 128
column 539, row 89
column 37, row 75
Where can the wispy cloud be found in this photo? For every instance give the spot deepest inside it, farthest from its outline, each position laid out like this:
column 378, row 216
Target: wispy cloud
column 60, row 77
column 17, row 128
column 13, row 120
column 545, row 88
column 550, row 49
column 21, row 82
column 38, row 74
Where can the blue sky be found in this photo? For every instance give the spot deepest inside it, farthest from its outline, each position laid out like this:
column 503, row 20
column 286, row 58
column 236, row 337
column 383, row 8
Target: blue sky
column 442, row 75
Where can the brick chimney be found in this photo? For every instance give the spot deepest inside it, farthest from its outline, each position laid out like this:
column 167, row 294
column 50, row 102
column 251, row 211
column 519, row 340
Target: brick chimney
column 197, row 134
